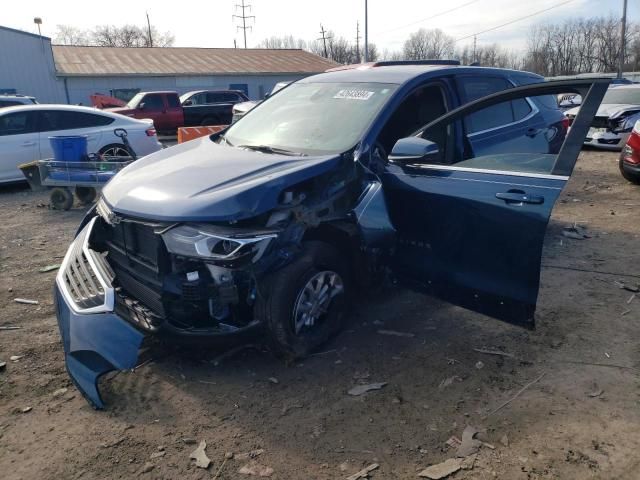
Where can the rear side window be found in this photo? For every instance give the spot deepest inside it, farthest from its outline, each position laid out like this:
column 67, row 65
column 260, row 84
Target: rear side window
column 16, row 123
column 473, row 88
column 9, row 103
column 173, row 101
column 51, row 120
column 215, row 97
column 153, row 102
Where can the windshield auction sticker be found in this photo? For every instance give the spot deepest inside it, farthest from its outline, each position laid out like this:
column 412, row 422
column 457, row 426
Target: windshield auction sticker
column 352, row 94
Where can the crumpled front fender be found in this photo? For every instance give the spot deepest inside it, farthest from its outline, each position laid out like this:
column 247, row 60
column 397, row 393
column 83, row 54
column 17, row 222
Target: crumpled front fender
column 95, row 344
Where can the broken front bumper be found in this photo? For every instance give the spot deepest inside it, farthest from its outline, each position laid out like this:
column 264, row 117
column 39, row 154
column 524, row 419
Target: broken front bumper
column 605, row 139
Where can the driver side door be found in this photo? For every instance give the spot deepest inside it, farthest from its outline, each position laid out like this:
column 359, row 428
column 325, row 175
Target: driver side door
column 470, row 225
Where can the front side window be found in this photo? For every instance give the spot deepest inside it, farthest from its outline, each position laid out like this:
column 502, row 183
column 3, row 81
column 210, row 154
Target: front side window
column 17, row 123
column 153, row 102
column 173, row 101
column 312, row 118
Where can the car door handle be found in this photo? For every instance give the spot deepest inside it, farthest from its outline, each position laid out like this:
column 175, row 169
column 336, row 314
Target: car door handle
column 28, row 144
column 520, row 198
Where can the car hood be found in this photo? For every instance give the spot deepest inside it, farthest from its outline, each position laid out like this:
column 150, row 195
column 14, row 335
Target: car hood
column 608, row 109
column 203, row 181
column 244, row 107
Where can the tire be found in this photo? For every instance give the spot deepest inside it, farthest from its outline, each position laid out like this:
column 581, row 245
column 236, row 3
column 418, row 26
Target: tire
column 85, row 195
column 61, row 198
column 115, row 150
column 627, row 175
column 209, row 122
column 284, row 295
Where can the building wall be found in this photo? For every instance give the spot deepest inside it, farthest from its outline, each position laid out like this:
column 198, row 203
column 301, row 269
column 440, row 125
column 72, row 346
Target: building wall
column 26, row 65
column 80, row 88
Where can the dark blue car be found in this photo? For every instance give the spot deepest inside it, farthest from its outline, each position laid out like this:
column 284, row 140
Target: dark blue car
column 441, row 176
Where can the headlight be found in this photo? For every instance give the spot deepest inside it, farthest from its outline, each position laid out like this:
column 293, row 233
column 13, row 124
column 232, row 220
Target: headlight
column 202, row 241
column 624, row 123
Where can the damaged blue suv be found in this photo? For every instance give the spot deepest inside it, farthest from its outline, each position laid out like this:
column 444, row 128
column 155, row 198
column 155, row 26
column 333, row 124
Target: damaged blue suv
column 439, row 175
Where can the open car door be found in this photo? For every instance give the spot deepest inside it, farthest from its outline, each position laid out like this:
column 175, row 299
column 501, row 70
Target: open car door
column 470, row 210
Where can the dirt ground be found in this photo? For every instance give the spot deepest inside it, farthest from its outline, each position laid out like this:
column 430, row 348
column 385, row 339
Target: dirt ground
column 580, row 420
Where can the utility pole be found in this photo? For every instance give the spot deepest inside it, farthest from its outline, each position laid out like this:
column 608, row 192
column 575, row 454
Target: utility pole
column 357, row 42
column 149, row 30
column 366, row 31
column 244, row 17
column 623, row 34
column 324, row 40
column 475, row 39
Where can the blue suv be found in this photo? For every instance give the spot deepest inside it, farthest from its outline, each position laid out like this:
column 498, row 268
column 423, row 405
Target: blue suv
column 439, row 175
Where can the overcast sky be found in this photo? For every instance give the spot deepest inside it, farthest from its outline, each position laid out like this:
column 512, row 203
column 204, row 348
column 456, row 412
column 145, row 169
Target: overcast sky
column 209, row 23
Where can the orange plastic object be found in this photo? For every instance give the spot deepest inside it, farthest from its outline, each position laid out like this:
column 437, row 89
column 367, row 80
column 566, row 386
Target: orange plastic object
column 189, row 133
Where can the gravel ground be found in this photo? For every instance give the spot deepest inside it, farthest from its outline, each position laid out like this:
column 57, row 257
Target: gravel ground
column 578, row 419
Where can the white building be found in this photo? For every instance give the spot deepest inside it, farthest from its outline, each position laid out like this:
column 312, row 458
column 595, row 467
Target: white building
column 30, row 65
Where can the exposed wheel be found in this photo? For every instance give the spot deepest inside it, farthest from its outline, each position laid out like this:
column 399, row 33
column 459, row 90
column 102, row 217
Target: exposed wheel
column 303, row 304
column 209, row 122
column 115, row 150
column 61, row 198
column 627, row 175
column 85, row 195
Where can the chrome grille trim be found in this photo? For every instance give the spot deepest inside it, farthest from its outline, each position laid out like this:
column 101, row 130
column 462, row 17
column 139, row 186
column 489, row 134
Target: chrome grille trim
column 85, row 278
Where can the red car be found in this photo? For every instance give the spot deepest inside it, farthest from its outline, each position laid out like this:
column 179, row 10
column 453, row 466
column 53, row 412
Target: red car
column 630, row 156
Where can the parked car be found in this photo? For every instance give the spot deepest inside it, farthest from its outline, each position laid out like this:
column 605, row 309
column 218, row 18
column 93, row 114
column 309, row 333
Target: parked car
column 25, row 132
column 13, row 100
column 168, row 111
column 630, row 156
column 616, row 116
column 240, row 109
column 442, row 176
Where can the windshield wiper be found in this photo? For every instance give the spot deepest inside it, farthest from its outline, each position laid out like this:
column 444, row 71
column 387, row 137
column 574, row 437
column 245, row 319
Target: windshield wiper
column 269, row 149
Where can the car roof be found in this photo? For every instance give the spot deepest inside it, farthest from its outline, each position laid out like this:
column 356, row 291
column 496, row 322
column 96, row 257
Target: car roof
column 399, row 74
column 221, row 90
column 67, row 108
column 625, row 86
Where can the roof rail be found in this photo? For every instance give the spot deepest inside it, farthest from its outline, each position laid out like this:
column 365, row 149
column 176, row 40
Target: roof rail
column 391, row 63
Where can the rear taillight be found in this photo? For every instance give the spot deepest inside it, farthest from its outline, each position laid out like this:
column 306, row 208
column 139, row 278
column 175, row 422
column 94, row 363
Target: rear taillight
column 631, row 151
column 151, row 132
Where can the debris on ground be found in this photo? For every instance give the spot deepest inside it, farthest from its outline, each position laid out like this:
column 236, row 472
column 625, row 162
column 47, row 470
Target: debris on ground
column 15, row 358
column 49, row 268
column 10, row 327
column 252, row 454
column 114, row 443
column 479, row 365
column 595, row 393
column 537, row 379
column 360, row 389
column 60, row 391
column 629, row 288
column 453, row 442
column 155, row 455
column 189, row 441
column 469, row 445
column 26, row 409
column 442, row 470
column 147, row 467
column 493, row 352
column 3, row 365
column 274, row 380
column 26, row 301
column 364, row 473
column 504, row 440
column 200, row 456
column 576, row 232
column 394, row 333
column 448, row 381
column 469, row 462
column 256, row 470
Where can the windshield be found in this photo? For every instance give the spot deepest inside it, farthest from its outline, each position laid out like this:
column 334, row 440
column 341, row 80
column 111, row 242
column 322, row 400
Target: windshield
column 622, row 95
column 312, row 118
column 133, row 103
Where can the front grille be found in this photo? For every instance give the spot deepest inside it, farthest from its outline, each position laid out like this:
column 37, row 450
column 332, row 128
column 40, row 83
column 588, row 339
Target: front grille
column 85, row 277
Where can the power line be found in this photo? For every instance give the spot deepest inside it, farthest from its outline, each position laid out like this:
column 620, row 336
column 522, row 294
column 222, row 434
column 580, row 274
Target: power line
column 324, row 39
column 244, row 17
column 357, row 42
column 428, row 18
column 515, row 20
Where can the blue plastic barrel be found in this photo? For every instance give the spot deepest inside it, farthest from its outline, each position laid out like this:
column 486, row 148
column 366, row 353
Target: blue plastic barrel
column 71, row 148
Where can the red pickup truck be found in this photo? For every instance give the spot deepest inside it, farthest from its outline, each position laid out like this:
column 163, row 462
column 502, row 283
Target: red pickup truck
column 168, row 111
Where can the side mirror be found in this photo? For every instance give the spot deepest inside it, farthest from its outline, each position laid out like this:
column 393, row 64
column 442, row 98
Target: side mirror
column 120, row 132
column 187, row 103
column 141, row 106
column 412, row 149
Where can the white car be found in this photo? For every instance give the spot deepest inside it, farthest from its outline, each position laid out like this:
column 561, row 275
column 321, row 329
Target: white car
column 618, row 112
column 25, row 132
column 13, row 100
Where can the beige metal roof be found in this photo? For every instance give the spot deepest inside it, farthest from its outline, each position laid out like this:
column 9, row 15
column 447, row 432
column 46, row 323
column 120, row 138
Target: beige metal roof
column 108, row 61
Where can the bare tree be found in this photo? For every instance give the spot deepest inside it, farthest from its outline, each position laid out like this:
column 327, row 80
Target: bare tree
column 285, row 42
column 428, row 44
column 113, row 36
